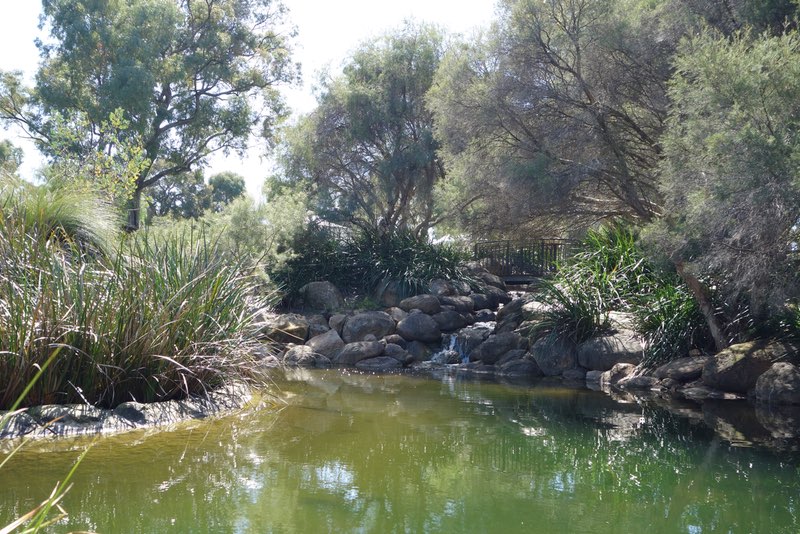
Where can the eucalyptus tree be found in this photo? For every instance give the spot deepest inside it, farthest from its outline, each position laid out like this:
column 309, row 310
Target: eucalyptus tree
column 191, row 78
column 368, row 147
column 554, row 115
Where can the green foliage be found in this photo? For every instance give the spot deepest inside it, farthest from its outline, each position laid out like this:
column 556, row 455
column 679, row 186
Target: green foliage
column 368, row 147
column 610, row 273
column 369, row 259
column 730, row 174
column 155, row 321
column 192, row 78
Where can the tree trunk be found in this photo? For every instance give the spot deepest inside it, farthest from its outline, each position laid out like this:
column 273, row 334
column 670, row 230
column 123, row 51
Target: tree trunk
column 704, row 301
column 134, row 211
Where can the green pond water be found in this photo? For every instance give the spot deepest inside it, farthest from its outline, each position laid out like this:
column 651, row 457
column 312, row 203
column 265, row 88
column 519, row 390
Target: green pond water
column 345, row 452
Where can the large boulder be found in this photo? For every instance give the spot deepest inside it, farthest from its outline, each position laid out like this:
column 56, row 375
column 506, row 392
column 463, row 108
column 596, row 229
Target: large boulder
column 525, row 367
column 459, row 303
column 467, row 340
column 352, row 353
column 397, row 314
column 485, row 316
column 419, row 351
column 602, row 353
column 359, row 326
column 449, row 320
column 321, row 296
column 780, row 384
column 682, row 369
column 425, row 303
column 480, row 301
column 616, row 374
column 419, row 327
column 379, row 364
column 328, row 344
column 554, row 357
column 738, row 367
column 317, row 325
column 442, row 288
column 496, row 297
column 287, row 328
column 300, row 356
column 398, row 353
column 491, row 280
column 495, row 347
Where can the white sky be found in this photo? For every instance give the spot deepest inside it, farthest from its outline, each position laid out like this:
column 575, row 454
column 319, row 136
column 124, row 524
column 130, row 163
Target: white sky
column 327, row 31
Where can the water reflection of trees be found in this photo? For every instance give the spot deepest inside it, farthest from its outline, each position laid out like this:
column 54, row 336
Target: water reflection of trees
column 398, row 453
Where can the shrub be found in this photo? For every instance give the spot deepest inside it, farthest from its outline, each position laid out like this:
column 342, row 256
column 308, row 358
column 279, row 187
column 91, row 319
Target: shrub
column 153, row 321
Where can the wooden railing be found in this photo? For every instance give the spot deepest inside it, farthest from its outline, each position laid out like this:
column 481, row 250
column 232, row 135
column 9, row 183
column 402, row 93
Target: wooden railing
column 520, row 259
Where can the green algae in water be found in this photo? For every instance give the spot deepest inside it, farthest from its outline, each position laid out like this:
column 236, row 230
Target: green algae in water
column 360, row 453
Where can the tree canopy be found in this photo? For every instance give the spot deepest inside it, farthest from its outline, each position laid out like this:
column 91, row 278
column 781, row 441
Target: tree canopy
column 191, row 78
column 368, row 148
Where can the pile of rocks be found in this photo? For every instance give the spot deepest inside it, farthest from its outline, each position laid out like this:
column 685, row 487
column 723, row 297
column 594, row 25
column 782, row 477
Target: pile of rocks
column 486, row 331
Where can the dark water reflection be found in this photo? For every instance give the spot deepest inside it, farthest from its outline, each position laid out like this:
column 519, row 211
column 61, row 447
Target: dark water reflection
column 356, row 453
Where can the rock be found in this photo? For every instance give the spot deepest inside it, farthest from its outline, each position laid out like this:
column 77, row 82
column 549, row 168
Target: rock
column 698, row 392
column 462, row 287
column 491, row 280
column 397, row 314
column 270, row 361
column 321, row 296
column 617, row 373
column 446, row 357
column 480, row 301
column 510, row 356
column 132, row 411
column 554, row 357
column 485, row 316
column 467, row 340
column 287, row 328
column 527, row 328
column 388, row 293
column 638, row 382
column 449, row 321
column 738, row 367
column 602, row 353
column 442, row 288
column 780, row 384
column 682, row 369
column 376, row 323
column 523, row 368
column 496, row 297
column 533, row 310
column 300, row 356
column 512, row 309
column 419, row 351
column 395, row 339
column 577, row 374
column 419, row 327
column 353, row 353
column 459, row 303
column 317, row 325
column 425, row 303
column 336, row 322
column 495, row 346
column 323, row 362
column 398, row 353
column 379, row 364
column 328, row 344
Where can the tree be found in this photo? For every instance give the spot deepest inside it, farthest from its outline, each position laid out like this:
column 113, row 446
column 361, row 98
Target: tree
column 225, row 188
column 554, row 117
column 181, row 196
column 731, row 172
column 10, row 158
column 192, row 77
column 368, row 147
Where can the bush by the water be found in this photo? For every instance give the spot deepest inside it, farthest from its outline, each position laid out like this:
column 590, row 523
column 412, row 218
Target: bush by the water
column 130, row 319
column 610, row 273
column 364, row 260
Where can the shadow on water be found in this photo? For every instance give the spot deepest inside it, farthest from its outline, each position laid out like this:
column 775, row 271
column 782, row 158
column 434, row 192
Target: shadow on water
column 399, row 453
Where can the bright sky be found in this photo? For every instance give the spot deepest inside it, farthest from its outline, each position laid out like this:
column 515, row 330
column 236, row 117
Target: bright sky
column 327, row 31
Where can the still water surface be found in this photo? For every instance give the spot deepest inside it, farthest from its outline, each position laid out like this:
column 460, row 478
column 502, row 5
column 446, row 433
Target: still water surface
column 356, row 453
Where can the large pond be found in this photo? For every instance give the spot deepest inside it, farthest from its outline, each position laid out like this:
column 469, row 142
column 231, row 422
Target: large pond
column 345, row 452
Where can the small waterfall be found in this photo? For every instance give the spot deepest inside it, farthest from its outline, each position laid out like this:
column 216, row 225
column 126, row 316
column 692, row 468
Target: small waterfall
column 450, row 352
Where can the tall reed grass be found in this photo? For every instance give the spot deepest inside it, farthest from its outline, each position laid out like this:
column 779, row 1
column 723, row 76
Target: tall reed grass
column 141, row 321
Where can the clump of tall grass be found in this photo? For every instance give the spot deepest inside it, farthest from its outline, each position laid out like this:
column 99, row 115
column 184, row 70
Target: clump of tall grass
column 610, row 273
column 368, row 258
column 146, row 322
